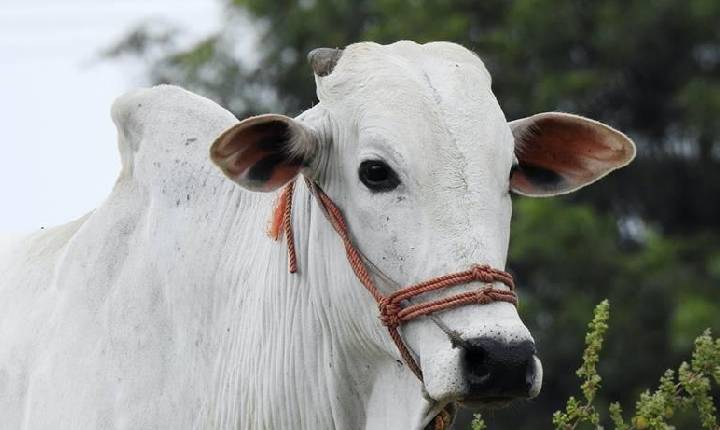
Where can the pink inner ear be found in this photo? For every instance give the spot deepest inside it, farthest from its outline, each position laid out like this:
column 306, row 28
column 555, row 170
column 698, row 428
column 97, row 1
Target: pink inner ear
column 255, row 153
column 563, row 147
column 241, row 147
column 574, row 150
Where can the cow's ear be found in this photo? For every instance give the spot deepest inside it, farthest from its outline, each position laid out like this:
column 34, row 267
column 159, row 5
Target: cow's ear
column 559, row 153
column 265, row 152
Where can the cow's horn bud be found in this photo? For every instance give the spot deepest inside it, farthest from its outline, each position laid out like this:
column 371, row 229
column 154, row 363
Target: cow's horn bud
column 323, row 60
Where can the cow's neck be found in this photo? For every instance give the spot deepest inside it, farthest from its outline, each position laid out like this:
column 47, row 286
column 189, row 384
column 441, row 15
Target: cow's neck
column 307, row 351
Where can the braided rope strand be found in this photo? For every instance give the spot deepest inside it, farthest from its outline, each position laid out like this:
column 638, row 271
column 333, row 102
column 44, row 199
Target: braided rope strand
column 287, row 227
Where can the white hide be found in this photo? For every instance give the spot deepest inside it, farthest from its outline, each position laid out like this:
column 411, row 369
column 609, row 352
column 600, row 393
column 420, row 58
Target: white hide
column 169, row 307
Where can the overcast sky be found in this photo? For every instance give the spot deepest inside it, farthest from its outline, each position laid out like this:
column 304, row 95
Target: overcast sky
column 58, row 157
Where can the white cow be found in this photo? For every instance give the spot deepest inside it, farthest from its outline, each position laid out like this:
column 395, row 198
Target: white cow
column 168, row 307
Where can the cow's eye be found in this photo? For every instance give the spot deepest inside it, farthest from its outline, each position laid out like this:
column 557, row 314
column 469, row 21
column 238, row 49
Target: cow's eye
column 378, row 176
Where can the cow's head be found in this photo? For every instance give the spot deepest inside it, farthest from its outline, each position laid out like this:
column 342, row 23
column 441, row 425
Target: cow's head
column 411, row 143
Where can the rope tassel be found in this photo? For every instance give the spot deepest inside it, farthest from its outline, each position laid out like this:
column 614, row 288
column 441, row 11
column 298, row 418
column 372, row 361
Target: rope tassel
column 281, row 221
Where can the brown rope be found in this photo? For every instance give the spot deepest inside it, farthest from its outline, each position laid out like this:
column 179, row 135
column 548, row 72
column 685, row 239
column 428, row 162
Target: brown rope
column 287, row 227
column 392, row 311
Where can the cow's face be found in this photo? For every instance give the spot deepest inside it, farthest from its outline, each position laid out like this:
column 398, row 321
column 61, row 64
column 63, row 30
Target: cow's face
column 410, row 142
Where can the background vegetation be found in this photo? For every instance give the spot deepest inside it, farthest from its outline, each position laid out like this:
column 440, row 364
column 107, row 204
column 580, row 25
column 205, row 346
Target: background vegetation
column 679, row 393
column 647, row 238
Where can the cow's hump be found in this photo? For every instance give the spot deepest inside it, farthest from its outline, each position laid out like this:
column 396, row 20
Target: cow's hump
column 165, row 132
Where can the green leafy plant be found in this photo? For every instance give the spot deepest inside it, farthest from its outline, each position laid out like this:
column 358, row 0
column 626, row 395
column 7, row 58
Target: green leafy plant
column 578, row 411
column 682, row 390
column 478, row 423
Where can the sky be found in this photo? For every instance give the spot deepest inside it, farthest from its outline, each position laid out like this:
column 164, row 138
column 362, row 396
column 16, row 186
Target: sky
column 58, row 145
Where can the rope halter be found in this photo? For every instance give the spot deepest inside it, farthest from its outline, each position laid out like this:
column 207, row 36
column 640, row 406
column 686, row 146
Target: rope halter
column 392, row 308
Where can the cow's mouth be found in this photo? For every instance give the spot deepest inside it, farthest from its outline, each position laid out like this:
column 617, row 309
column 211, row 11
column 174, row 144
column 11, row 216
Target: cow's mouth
column 446, row 414
column 486, row 402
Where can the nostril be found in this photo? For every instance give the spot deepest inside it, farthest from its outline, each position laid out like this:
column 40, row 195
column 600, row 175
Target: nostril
column 530, row 374
column 495, row 368
column 476, row 363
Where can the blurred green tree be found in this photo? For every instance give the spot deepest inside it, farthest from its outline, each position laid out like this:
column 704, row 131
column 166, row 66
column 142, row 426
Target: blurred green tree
column 647, row 237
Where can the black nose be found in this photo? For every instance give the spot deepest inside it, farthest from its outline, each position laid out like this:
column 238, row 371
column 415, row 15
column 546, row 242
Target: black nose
column 498, row 370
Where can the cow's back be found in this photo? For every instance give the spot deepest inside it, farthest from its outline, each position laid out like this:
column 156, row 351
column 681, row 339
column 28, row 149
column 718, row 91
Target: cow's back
column 27, row 299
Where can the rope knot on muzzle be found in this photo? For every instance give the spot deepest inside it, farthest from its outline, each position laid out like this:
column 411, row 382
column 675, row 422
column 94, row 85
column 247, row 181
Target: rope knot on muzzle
column 486, row 274
column 389, row 311
column 482, row 273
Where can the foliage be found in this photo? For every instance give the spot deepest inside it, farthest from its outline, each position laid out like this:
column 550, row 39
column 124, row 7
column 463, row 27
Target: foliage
column 653, row 410
column 478, row 423
column 569, row 256
column 577, row 411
